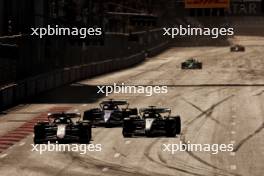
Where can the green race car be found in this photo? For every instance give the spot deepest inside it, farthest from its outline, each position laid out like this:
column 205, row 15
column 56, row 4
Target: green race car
column 191, row 64
column 237, row 48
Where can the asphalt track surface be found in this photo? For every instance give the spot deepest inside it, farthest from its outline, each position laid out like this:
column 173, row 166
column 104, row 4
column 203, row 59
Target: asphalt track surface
column 221, row 104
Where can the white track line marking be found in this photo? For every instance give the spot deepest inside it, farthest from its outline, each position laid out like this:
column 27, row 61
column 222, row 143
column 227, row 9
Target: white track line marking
column 232, row 142
column 233, row 123
column 105, row 169
column 76, row 110
column 233, row 167
column 21, row 144
column 127, row 142
column 3, row 156
column 233, row 153
column 233, row 132
column 84, row 105
column 117, row 155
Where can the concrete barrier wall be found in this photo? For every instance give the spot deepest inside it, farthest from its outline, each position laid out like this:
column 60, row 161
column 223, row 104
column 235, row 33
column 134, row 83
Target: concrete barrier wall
column 7, row 96
column 119, row 55
column 32, row 86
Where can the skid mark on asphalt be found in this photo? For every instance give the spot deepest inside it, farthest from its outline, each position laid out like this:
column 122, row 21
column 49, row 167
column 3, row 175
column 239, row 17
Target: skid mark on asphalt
column 113, row 168
column 183, row 163
column 208, row 111
column 205, row 162
column 179, row 169
column 260, row 93
column 243, row 141
column 16, row 135
column 213, row 91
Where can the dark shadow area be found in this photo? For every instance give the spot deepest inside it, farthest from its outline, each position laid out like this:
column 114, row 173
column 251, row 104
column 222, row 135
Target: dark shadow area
column 72, row 93
column 155, row 136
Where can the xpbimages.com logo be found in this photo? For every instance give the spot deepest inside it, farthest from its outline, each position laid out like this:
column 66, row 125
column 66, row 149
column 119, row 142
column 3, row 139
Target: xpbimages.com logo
column 65, row 31
column 128, row 89
column 197, row 31
column 56, row 147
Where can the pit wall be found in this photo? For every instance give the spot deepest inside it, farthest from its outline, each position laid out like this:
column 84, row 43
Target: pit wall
column 118, row 53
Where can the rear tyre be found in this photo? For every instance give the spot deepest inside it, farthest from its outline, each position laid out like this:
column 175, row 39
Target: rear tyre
column 171, row 132
column 200, row 66
column 127, row 129
column 39, row 133
column 149, row 133
column 178, row 125
column 85, row 133
column 126, row 134
column 91, row 114
column 183, row 66
column 173, row 127
column 108, row 125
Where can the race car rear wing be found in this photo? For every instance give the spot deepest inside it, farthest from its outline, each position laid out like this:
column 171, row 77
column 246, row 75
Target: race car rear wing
column 63, row 114
column 115, row 102
column 155, row 110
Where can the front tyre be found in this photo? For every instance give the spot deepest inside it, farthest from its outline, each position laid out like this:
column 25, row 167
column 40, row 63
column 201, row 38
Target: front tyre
column 85, row 133
column 126, row 134
column 178, row 125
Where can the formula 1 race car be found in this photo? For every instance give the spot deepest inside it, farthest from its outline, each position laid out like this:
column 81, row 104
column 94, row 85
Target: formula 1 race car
column 109, row 114
column 62, row 129
column 237, row 48
column 151, row 122
column 191, row 64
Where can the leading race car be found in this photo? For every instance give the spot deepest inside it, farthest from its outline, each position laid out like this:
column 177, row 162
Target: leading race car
column 237, row 48
column 191, row 64
column 152, row 121
column 62, row 129
column 110, row 113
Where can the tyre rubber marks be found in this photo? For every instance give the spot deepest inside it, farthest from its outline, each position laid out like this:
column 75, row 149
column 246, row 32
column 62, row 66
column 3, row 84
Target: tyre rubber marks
column 16, row 135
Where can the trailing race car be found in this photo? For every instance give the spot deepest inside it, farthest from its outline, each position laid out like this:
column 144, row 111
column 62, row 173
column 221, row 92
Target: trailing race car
column 191, row 64
column 62, row 129
column 151, row 122
column 109, row 114
column 237, row 48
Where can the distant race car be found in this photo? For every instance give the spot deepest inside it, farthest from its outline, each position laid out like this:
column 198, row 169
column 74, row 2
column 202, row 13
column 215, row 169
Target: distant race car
column 191, row 64
column 109, row 114
column 62, row 129
column 152, row 122
column 237, row 48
